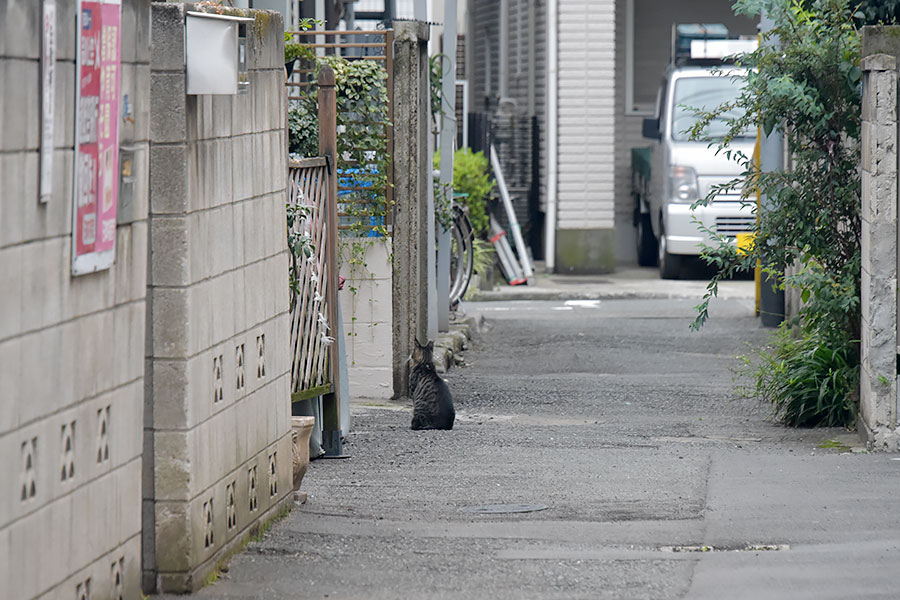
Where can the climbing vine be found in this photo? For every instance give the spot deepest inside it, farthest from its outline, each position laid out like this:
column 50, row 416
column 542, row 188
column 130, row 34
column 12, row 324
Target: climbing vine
column 363, row 160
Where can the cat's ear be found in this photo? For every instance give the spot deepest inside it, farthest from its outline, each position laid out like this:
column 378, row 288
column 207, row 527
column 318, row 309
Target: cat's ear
column 430, row 346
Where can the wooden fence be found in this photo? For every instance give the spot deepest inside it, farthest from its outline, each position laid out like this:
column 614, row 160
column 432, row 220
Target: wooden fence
column 311, row 313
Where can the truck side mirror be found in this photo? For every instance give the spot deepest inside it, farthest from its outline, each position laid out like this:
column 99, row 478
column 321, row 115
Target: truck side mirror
column 651, row 129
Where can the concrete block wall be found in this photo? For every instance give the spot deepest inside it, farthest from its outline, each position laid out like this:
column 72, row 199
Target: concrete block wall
column 878, row 373
column 217, row 426
column 366, row 310
column 71, row 348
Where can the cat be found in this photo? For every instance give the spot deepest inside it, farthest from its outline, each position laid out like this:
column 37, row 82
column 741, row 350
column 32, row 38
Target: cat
column 432, row 402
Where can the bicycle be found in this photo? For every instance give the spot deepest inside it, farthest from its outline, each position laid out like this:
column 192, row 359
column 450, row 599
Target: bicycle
column 462, row 254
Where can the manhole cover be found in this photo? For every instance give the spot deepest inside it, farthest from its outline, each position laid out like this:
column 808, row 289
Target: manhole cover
column 500, row 509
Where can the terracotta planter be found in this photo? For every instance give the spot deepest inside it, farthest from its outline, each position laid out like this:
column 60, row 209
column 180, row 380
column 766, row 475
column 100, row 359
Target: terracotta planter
column 301, row 428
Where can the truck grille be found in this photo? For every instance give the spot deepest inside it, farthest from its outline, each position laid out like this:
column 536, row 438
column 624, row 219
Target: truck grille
column 731, row 226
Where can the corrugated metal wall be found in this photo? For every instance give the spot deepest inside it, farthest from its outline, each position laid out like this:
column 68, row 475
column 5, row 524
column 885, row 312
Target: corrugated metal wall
column 483, row 54
column 518, row 126
column 587, row 82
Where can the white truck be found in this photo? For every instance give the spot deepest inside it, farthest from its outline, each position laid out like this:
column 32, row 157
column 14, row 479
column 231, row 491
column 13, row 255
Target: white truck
column 675, row 172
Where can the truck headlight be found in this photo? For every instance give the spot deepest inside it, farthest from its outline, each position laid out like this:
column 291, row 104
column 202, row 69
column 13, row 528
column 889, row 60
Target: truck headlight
column 683, row 182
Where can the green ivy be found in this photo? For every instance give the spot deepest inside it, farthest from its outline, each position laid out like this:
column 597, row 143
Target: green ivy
column 363, row 160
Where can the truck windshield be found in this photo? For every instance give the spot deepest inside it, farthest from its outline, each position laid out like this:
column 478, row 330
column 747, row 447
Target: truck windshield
column 705, row 93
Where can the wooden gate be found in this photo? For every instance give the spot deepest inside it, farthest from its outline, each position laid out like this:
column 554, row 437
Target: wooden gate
column 312, row 266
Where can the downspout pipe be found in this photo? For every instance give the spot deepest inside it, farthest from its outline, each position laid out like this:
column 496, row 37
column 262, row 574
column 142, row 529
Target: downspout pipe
column 503, row 56
column 532, row 62
column 552, row 135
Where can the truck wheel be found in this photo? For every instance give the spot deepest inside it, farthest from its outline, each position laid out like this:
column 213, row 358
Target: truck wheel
column 669, row 264
column 646, row 243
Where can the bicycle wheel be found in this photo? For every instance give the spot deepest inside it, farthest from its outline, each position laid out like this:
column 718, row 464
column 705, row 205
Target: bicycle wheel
column 462, row 255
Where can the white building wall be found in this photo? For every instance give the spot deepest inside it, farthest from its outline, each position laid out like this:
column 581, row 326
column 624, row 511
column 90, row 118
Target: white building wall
column 366, row 308
column 587, row 37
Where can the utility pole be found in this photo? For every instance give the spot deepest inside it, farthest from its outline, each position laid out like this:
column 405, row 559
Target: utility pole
column 771, row 158
column 420, row 13
column 448, row 136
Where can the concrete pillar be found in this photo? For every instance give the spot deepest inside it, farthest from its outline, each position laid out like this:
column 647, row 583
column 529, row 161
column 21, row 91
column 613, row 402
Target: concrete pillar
column 412, row 187
column 878, row 373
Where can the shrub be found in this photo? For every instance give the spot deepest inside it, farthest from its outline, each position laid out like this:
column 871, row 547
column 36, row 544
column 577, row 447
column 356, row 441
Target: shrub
column 807, row 87
column 471, row 176
column 807, row 381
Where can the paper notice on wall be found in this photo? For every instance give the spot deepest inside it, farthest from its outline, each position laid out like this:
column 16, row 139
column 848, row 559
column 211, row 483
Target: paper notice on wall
column 48, row 86
column 97, row 135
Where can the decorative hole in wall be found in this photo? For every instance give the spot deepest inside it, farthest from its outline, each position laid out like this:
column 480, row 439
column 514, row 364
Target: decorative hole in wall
column 29, row 461
column 273, row 474
column 239, row 368
column 218, row 386
column 83, row 590
column 67, row 456
column 103, row 435
column 261, row 356
column 117, row 575
column 251, row 476
column 208, row 534
column 230, row 509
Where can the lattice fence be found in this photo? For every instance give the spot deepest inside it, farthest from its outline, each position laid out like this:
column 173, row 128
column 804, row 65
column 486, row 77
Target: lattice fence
column 311, row 327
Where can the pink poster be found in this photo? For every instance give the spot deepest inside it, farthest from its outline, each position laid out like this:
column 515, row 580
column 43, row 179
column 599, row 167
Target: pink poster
column 97, row 135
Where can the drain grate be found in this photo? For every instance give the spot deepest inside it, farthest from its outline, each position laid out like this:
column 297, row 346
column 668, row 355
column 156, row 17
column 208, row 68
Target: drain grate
column 749, row 548
column 502, row 509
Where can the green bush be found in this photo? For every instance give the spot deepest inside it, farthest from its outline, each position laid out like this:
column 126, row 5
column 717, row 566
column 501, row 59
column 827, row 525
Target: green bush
column 472, row 176
column 807, row 381
column 804, row 84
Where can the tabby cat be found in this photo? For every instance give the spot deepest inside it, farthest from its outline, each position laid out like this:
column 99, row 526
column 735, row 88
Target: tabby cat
column 432, row 402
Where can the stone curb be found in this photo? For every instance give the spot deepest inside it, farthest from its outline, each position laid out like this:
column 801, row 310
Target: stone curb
column 450, row 344
column 502, row 295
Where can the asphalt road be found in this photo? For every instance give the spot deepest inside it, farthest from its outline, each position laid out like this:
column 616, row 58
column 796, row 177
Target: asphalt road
column 658, row 481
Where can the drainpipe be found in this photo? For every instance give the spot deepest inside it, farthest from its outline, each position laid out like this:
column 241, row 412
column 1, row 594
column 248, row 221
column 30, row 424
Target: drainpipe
column 532, row 60
column 448, row 138
column 552, row 141
column 503, row 56
column 390, row 11
column 350, row 14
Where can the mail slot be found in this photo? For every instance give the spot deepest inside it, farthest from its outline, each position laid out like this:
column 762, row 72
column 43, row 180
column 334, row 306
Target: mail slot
column 216, row 53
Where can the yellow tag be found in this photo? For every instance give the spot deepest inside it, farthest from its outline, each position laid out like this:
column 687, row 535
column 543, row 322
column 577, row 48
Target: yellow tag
column 744, row 242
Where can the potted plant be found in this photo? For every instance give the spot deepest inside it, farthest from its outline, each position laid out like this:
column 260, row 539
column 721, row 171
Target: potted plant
column 292, row 51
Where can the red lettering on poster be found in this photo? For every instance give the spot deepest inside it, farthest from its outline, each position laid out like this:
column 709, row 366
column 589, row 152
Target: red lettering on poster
column 97, row 160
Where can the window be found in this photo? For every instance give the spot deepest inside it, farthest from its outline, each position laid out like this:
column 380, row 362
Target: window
column 704, row 93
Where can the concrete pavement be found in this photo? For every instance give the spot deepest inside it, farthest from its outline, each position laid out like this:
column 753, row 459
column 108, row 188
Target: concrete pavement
column 659, row 480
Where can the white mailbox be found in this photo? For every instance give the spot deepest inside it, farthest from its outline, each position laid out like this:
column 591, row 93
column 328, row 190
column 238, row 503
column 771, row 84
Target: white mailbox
column 216, row 53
